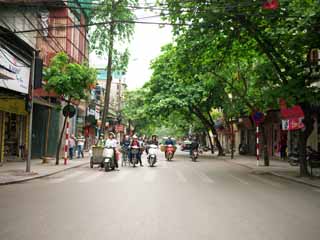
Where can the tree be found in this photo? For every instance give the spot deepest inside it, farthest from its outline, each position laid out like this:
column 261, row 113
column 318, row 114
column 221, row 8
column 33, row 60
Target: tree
column 285, row 36
column 105, row 38
column 69, row 80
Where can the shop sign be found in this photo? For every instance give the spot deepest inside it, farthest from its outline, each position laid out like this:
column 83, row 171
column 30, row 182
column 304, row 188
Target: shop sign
column 14, row 74
column 292, row 118
column 119, row 128
column 292, row 124
column 16, row 106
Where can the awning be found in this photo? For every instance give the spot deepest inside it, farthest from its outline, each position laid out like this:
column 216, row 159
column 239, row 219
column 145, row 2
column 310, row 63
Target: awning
column 293, row 112
column 13, row 105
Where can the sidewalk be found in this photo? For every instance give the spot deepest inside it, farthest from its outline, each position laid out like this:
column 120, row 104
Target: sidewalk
column 277, row 167
column 15, row 172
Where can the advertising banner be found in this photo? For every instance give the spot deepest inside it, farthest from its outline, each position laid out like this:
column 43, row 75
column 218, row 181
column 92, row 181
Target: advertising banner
column 292, row 118
column 14, row 74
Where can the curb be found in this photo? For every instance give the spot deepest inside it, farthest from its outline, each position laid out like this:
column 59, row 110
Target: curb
column 41, row 176
column 277, row 175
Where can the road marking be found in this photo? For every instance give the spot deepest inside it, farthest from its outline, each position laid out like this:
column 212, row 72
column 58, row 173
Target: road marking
column 149, row 176
column 66, row 177
column 268, row 182
column 204, row 177
column 120, row 176
column 92, row 177
column 180, row 176
column 239, row 179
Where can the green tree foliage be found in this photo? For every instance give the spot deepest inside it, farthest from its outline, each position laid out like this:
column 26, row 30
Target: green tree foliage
column 261, row 55
column 70, row 80
column 107, row 38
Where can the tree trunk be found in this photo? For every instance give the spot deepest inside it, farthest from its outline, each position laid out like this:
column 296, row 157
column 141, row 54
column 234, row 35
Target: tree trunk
column 210, row 141
column 210, row 125
column 303, row 138
column 265, row 146
column 109, row 76
column 60, row 141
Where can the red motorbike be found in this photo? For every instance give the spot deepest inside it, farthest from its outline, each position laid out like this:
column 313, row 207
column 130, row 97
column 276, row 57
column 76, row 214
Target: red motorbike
column 169, row 152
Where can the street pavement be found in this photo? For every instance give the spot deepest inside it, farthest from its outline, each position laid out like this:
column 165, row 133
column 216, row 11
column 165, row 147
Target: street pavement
column 208, row 199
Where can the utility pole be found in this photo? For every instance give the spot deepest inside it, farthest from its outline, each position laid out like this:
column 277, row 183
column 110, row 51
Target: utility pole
column 28, row 162
column 109, row 72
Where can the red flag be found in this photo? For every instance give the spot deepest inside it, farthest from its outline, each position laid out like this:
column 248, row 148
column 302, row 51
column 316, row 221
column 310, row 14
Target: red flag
column 271, row 5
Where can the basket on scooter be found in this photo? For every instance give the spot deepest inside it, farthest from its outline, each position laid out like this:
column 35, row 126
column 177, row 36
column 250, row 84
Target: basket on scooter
column 135, row 150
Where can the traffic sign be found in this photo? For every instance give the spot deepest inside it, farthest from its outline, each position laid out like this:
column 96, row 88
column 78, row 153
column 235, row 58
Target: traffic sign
column 69, row 111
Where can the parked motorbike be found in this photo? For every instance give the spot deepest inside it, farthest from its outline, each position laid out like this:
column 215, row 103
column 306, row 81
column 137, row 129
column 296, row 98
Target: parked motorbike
column 243, row 148
column 293, row 158
column 108, row 159
column 169, row 152
column 152, row 154
column 194, row 155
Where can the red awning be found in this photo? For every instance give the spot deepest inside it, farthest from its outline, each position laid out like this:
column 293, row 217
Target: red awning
column 293, row 112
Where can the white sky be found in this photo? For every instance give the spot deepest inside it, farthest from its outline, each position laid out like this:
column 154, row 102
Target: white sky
column 145, row 46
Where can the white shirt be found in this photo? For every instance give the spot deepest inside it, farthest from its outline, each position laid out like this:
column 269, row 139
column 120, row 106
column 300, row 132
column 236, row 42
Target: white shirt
column 111, row 143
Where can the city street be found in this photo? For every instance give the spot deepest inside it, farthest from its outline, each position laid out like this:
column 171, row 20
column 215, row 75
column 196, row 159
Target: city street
column 208, row 199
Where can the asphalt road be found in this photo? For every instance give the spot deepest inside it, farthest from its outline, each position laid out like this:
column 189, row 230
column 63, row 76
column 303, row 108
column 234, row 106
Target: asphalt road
column 209, row 199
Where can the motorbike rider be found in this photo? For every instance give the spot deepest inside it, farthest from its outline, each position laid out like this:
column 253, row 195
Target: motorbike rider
column 112, row 143
column 135, row 143
column 194, row 145
column 153, row 141
column 101, row 141
column 168, row 141
column 126, row 144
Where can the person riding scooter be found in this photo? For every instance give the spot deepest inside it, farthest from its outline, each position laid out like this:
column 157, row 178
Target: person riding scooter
column 135, row 143
column 111, row 142
column 194, row 146
column 169, row 148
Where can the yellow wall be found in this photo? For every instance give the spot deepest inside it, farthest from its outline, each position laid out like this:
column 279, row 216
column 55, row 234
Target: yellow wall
column 16, row 106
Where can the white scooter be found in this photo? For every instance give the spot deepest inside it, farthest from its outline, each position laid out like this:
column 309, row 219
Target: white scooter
column 152, row 154
column 108, row 159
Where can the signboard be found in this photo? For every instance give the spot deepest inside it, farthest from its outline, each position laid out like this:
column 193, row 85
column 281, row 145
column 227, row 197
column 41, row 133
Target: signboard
column 258, row 117
column 69, row 111
column 292, row 118
column 14, row 74
column 119, row 128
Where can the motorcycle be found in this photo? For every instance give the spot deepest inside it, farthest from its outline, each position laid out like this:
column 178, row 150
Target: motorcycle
column 134, row 155
column 108, row 159
column 243, row 149
column 293, row 158
column 152, row 154
column 169, row 152
column 194, row 155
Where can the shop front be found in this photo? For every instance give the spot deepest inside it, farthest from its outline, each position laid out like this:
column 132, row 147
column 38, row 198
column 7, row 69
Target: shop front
column 15, row 71
column 13, row 127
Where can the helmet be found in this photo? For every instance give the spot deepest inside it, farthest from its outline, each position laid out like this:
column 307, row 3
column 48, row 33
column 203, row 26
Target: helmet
column 135, row 137
column 111, row 134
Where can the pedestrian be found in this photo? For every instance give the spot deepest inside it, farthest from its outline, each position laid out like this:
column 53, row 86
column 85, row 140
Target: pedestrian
column 135, row 143
column 72, row 144
column 283, row 147
column 80, row 145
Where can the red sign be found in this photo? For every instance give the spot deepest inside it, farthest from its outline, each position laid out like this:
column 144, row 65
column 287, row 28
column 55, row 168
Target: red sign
column 293, row 112
column 292, row 124
column 119, row 128
column 292, row 118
